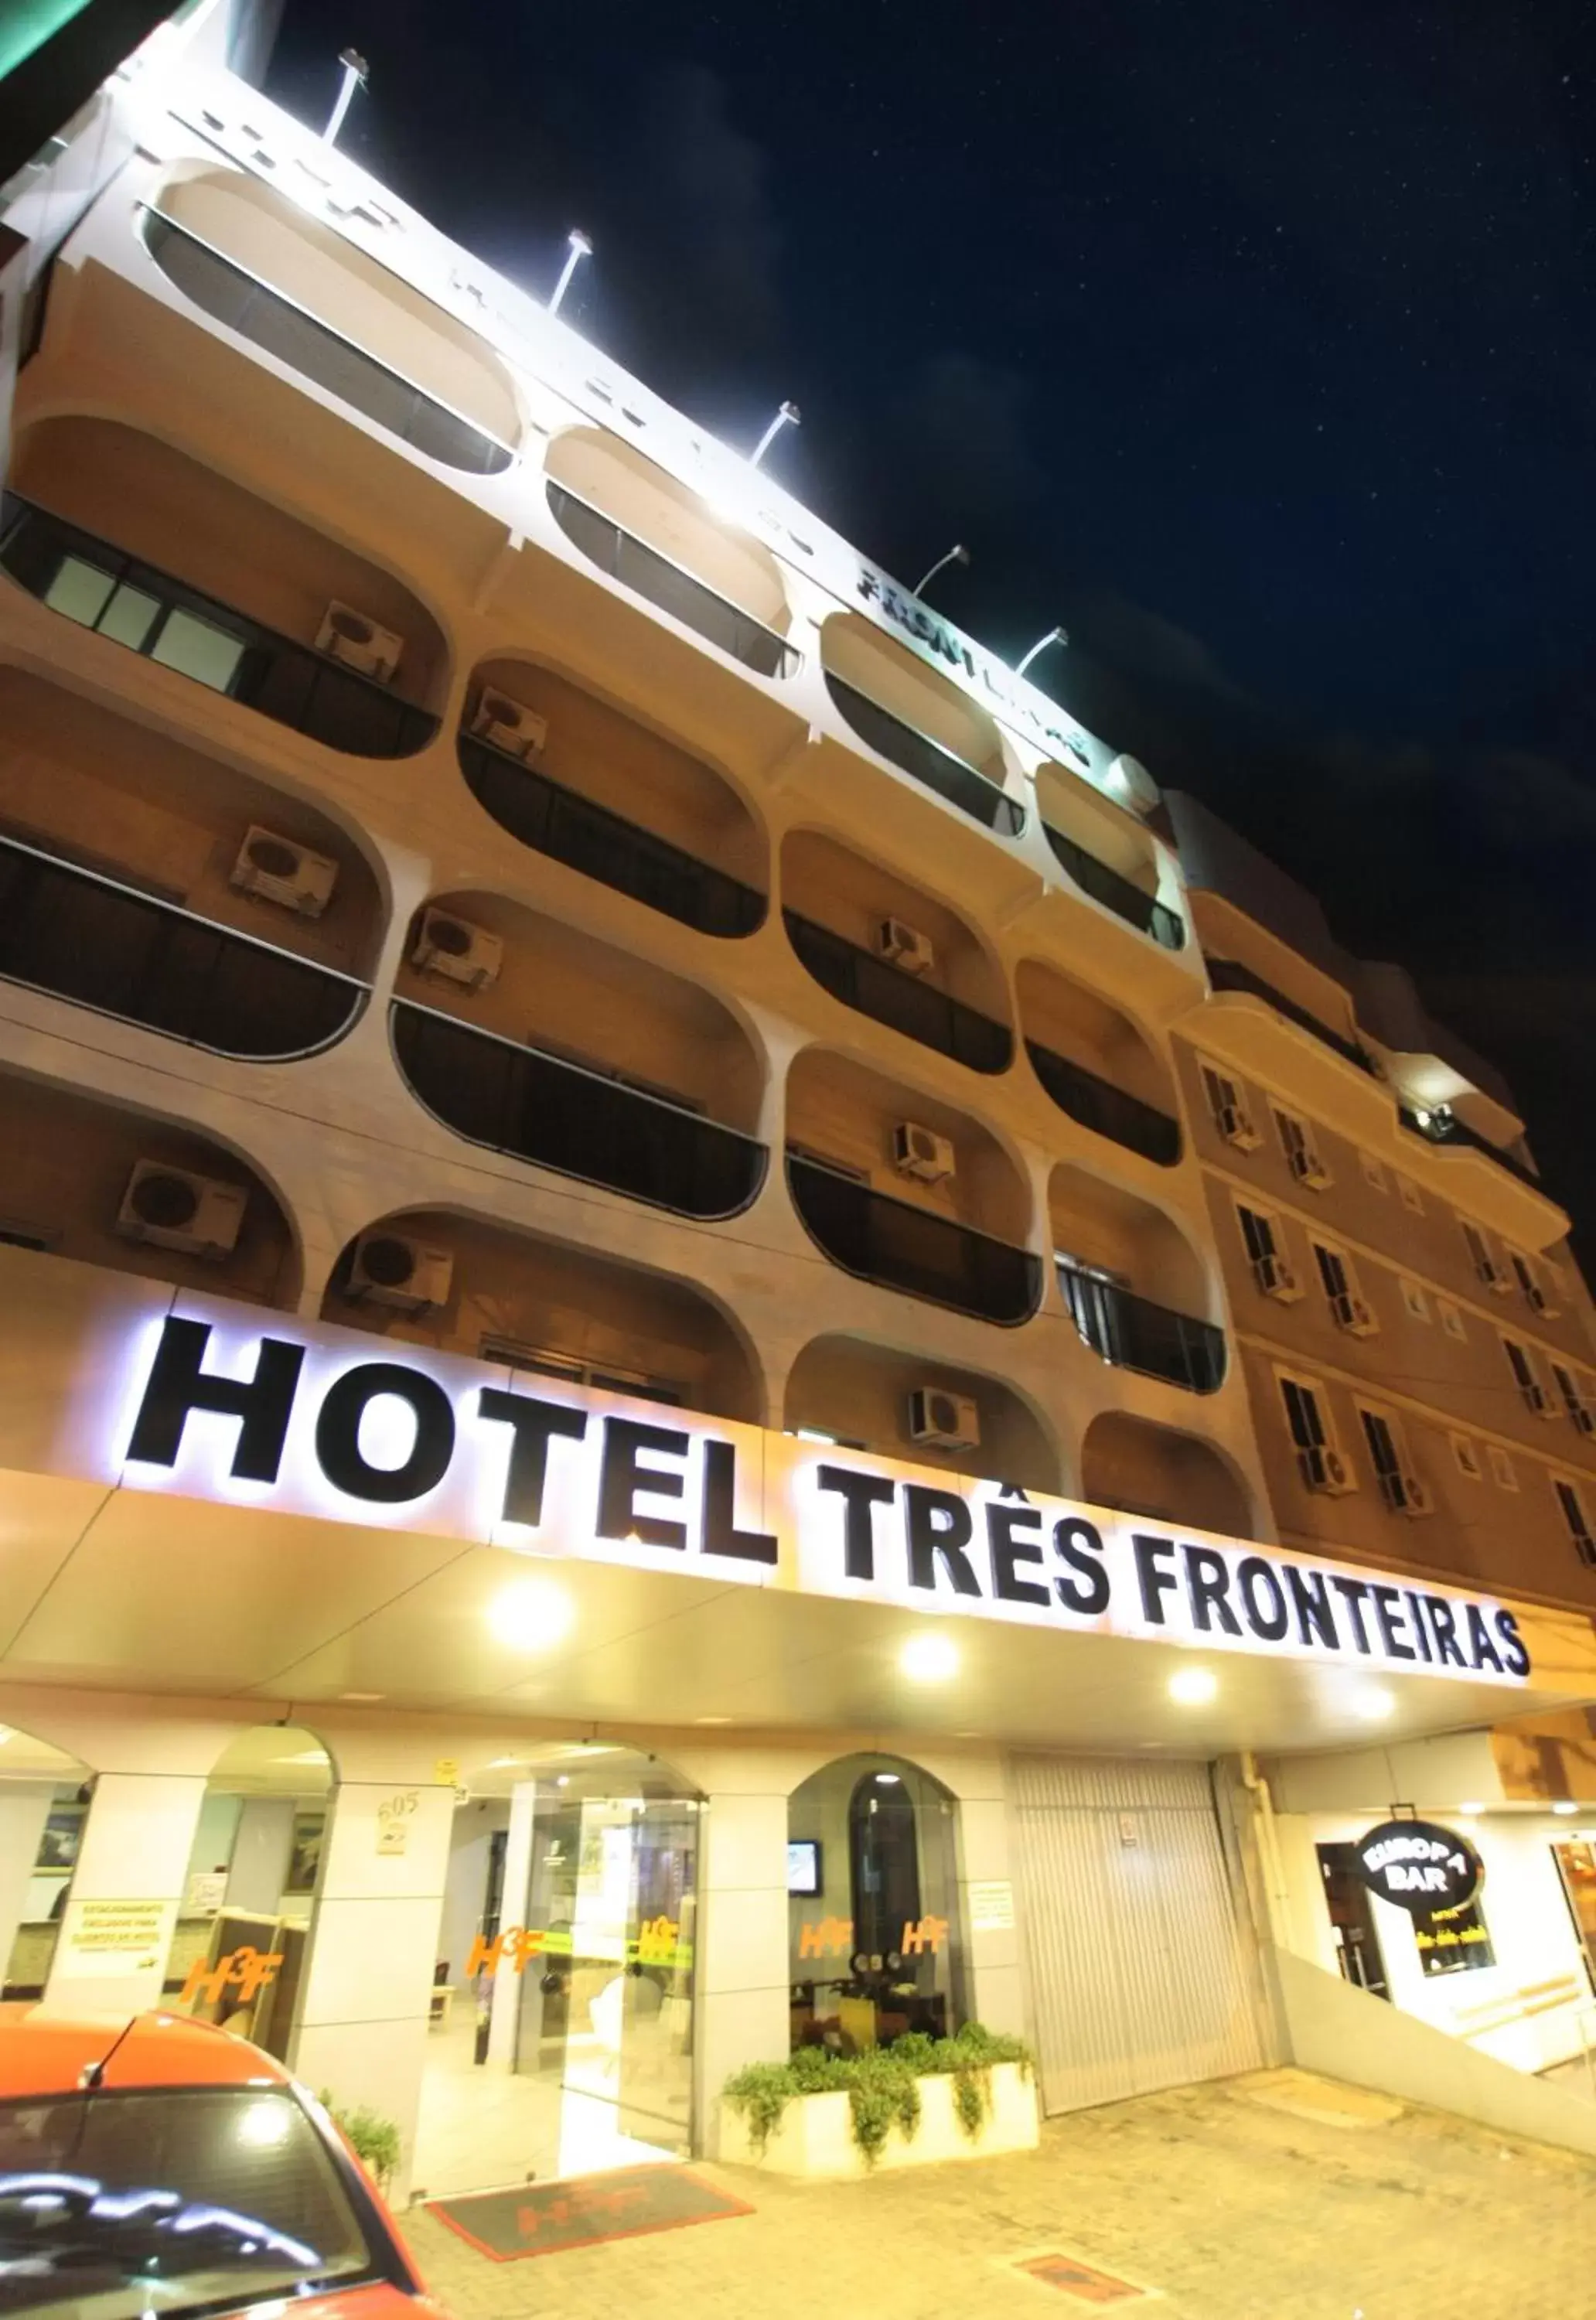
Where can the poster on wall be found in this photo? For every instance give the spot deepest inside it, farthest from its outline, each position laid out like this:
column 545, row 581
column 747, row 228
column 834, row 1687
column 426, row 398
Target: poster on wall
column 100, row 1939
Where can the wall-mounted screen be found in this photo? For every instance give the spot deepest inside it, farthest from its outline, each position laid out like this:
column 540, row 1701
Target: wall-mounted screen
column 803, row 1865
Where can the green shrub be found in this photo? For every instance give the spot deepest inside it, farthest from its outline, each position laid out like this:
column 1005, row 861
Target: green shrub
column 374, row 2140
column 881, row 2085
column 761, row 2092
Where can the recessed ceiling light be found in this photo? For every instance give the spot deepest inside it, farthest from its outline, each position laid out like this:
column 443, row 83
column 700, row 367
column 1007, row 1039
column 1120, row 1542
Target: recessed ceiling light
column 1372, row 1703
column 531, row 1614
column 889, row 1780
column 928, row 1659
column 562, row 1780
column 712, row 1719
column 1563, row 1806
column 1193, row 1687
column 366, row 1697
column 1471, row 1811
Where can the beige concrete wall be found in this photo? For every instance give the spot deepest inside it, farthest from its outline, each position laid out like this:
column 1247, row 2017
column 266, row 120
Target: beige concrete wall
column 851, row 893
column 860, row 1392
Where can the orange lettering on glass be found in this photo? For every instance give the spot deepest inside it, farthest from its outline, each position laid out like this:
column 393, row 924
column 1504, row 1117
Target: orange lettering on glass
column 250, row 1969
column 832, row 1937
column 928, row 1935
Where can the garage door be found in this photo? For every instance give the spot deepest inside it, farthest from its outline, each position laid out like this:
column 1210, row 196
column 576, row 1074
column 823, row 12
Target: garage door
column 1141, row 1974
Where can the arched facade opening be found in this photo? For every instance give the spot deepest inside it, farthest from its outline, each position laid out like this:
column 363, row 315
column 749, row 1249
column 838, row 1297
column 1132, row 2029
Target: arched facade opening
column 1142, row 1468
column 894, row 1401
column 1134, row 1284
column 1096, row 1065
column 902, row 708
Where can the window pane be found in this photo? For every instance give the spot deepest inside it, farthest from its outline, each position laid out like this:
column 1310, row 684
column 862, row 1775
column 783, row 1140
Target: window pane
column 128, row 617
column 1453, row 1941
column 79, row 590
column 199, row 649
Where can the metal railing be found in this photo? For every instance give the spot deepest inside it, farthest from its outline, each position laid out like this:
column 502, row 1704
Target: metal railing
column 903, row 1002
column 1448, row 1131
column 1107, row 1109
column 901, row 1246
column 535, row 1106
column 646, row 573
column 1127, row 901
column 1133, row 1333
column 1230, row 974
column 569, row 828
column 89, row 939
column 165, row 620
column 231, row 294
column 932, row 766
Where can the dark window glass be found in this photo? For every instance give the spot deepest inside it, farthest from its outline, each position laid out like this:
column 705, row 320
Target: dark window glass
column 1453, row 1941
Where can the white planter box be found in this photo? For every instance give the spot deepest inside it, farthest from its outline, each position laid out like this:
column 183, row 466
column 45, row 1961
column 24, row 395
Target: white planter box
column 815, row 2136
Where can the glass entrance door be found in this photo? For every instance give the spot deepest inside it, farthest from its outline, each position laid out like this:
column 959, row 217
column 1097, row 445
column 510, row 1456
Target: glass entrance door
column 1352, row 1920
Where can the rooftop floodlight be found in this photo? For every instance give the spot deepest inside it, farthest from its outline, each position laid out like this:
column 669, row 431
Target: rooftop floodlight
column 580, row 247
column 1053, row 637
column 957, row 554
column 357, row 73
column 787, row 416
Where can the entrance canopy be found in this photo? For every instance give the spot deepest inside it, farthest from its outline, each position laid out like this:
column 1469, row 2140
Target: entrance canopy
column 202, row 1497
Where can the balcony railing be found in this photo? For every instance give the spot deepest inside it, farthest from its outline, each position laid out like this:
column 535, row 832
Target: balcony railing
column 1098, row 1104
column 928, row 761
column 1230, row 974
column 167, row 622
column 89, row 939
column 1135, row 1334
column 558, row 1114
column 901, row 1246
column 560, row 822
column 1142, row 911
column 646, row 573
column 1447, row 1129
column 238, row 299
column 901, row 1000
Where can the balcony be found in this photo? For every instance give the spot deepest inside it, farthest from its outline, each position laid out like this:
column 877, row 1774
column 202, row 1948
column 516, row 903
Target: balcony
column 166, row 622
column 1128, row 902
column 927, row 761
column 902, row 1001
column 1098, row 1104
column 88, row 938
column 905, row 1247
column 237, row 298
column 531, row 1105
column 1230, row 974
column 1133, row 1333
column 1446, row 1129
column 634, row 564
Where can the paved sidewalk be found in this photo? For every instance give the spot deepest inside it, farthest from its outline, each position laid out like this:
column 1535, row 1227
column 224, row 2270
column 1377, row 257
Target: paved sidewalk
column 1275, row 2197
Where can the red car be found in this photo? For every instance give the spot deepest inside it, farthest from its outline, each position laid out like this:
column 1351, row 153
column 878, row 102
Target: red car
column 159, row 2166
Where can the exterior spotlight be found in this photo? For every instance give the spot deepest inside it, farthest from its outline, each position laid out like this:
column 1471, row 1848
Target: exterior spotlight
column 1192, row 1687
column 580, row 247
column 959, row 553
column 1372, row 1704
column 531, row 1614
column 787, row 416
column 928, row 1659
column 1471, row 1811
column 357, row 74
column 1563, row 1806
column 1053, row 637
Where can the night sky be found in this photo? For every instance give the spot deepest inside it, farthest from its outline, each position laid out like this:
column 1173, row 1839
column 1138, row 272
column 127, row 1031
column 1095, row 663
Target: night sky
column 1257, row 343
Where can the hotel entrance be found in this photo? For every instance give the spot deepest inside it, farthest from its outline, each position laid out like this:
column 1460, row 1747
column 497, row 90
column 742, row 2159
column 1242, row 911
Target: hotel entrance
column 561, row 2033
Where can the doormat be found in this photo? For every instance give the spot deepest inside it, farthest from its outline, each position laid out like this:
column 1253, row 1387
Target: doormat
column 1079, row 2279
column 547, row 2218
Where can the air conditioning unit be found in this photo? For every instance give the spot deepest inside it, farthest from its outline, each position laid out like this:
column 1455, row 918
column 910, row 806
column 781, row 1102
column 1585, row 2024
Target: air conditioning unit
column 172, row 1207
column 1537, row 1398
column 1325, row 1469
column 943, row 1421
column 1539, row 1302
column 1584, row 1418
column 1355, row 1315
column 456, row 950
column 904, row 946
column 1236, row 1126
column 351, row 637
column 278, row 871
column 1275, row 1278
column 1309, row 1169
column 922, row 1153
column 509, row 725
column 391, row 1269
column 1405, row 1494
column 1487, row 1270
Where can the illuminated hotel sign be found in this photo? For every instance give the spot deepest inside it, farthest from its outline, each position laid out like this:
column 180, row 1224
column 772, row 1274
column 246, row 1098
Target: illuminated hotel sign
column 309, row 1423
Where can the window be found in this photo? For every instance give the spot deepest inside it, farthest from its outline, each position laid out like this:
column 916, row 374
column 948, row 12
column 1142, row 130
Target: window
column 1319, row 1461
column 1502, row 1468
column 1415, row 1299
column 1574, row 1399
column 1373, row 1172
column 1451, row 1320
column 1304, row 1415
column 1481, row 1257
column 1260, row 1234
column 1300, row 1158
column 1400, row 1487
column 1536, row 1397
column 1409, row 1191
column 1577, row 1519
column 544, row 1362
column 1453, row 1941
column 1349, row 1311
column 1467, row 1458
column 1535, row 1296
column 1230, row 1114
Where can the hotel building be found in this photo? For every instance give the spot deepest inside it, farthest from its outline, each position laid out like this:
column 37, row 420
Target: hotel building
column 707, row 1336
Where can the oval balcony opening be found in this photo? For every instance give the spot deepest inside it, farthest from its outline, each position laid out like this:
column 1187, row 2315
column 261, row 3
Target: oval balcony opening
column 899, row 707
column 1132, row 1284
column 1107, row 855
column 888, row 950
column 522, row 1035
column 299, row 290
column 164, row 557
column 577, row 779
column 468, row 1285
column 1095, row 1065
column 1141, row 1468
column 894, row 1401
column 658, row 539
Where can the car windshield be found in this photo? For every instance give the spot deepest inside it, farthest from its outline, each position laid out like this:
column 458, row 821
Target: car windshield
column 173, row 2202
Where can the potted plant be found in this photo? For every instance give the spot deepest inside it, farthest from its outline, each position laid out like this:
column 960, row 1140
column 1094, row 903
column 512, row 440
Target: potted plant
column 919, row 2100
